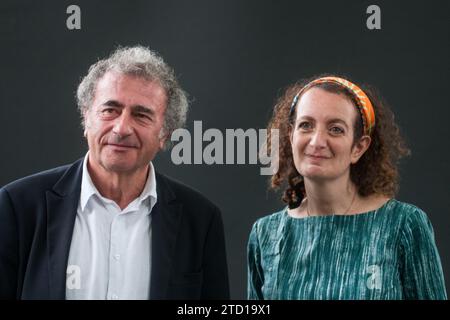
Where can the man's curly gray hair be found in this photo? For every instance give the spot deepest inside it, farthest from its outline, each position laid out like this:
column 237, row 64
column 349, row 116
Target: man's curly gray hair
column 144, row 63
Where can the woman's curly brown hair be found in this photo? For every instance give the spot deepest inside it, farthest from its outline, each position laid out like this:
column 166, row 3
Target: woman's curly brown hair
column 376, row 171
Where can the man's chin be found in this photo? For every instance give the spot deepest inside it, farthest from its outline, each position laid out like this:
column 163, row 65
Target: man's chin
column 119, row 166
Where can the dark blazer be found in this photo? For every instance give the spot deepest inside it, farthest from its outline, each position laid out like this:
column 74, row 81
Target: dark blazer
column 37, row 216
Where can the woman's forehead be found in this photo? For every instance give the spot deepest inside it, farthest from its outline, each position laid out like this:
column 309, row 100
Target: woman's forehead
column 319, row 104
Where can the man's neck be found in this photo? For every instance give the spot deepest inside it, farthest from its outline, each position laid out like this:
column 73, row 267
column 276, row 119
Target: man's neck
column 121, row 187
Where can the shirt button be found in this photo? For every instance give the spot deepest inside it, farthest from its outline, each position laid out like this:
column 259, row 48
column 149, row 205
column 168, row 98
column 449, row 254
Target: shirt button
column 117, row 256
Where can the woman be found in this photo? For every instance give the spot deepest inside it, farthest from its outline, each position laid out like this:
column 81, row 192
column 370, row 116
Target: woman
column 342, row 234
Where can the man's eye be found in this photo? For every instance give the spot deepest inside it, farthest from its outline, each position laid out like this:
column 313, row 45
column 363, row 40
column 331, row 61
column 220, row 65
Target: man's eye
column 143, row 117
column 108, row 111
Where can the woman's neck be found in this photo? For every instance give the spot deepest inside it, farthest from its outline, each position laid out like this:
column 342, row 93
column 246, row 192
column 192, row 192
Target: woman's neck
column 330, row 197
column 340, row 198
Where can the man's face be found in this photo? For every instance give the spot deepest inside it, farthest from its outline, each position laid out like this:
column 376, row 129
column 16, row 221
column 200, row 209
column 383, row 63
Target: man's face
column 124, row 123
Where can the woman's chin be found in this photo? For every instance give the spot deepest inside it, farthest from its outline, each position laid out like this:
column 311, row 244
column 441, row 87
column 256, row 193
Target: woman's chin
column 315, row 173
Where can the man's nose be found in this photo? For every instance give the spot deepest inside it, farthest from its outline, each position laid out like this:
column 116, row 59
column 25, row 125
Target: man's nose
column 123, row 126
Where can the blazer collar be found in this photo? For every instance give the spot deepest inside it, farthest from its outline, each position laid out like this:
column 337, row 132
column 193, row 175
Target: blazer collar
column 62, row 202
column 166, row 217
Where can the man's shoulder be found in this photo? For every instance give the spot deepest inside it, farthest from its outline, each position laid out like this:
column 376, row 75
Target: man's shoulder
column 37, row 182
column 183, row 193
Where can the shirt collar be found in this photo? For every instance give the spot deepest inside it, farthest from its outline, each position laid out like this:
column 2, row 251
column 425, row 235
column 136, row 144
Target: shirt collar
column 88, row 188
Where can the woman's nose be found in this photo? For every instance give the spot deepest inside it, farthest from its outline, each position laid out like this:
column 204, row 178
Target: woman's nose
column 318, row 139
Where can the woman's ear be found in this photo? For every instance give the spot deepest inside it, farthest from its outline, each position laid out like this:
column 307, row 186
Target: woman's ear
column 359, row 148
column 291, row 133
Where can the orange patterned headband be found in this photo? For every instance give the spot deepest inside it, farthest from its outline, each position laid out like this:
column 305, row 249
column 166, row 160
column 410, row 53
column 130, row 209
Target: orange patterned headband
column 364, row 105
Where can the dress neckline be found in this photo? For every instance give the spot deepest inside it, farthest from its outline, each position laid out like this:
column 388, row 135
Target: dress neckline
column 337, row 216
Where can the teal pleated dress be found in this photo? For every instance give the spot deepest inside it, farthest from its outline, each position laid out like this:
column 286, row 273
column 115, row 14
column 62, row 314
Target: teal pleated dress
column 388, row 253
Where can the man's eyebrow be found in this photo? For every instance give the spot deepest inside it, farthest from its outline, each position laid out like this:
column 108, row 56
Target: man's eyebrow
column 143, row 109
column 113, row 103
column 136, row 108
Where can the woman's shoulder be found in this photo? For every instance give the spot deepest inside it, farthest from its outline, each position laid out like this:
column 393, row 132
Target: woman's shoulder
column 405, row 208
column 265, row 230
column 269, row 221
column 411, row 215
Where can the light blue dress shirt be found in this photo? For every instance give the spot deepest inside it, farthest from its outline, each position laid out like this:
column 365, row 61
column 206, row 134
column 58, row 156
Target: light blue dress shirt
column 110, row 252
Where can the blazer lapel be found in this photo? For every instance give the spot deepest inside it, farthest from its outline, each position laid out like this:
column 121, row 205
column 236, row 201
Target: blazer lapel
column 62, row 203
column 166, row 217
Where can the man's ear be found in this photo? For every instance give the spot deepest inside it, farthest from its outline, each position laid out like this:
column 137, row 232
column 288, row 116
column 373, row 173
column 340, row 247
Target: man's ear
column 359, row 148
column 163, row 136
column 85, row 124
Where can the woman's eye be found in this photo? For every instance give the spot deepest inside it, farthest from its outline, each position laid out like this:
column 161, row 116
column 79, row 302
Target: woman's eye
column 305, row 125
column 336, row 130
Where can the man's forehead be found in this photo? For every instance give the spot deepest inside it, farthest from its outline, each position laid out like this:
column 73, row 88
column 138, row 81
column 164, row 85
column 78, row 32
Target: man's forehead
column 115, row 77
column 114, row 82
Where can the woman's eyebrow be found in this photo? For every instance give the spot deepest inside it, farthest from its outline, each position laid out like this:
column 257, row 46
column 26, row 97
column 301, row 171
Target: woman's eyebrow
column 337, row 120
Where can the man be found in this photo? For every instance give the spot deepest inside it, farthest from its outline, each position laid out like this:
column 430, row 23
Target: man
column 109, row 226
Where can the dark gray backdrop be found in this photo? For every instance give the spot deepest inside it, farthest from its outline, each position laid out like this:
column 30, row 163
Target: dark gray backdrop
column 232, row 57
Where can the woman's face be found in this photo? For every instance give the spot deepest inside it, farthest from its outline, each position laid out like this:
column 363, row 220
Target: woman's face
column 322, row 136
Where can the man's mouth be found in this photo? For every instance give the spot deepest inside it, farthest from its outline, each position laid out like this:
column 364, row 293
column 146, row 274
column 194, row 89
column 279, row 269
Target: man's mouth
column 121, row 145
